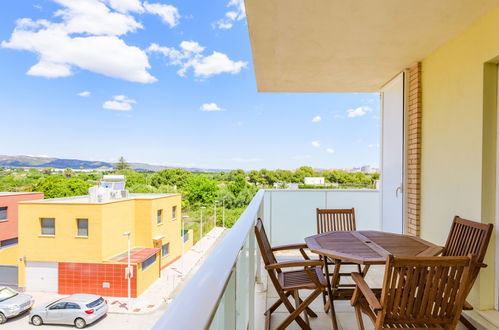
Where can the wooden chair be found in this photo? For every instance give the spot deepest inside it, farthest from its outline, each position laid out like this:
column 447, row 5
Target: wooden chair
column 467, row 237
column 337, row 220
column 287, row 283
column 418, row 292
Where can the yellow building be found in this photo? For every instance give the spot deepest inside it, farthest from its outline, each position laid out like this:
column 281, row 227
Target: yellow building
column 77, row 244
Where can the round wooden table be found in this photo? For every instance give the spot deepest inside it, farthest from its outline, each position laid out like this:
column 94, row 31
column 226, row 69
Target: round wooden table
column 362, row 248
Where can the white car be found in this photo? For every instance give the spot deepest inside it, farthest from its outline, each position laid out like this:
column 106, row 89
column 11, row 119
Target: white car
column 13, row 303
column 78, row 310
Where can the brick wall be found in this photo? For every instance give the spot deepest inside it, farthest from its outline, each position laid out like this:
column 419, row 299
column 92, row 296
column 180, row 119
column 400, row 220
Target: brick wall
column 89, row 278
column 413, row 157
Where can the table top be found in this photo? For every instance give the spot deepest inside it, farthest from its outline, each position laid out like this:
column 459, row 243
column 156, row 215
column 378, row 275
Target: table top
column 369, row 247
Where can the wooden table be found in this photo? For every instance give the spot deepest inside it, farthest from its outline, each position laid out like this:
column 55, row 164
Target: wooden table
column 363, row 248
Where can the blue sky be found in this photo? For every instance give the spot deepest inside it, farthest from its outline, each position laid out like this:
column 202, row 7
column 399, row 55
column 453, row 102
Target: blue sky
column 163, row 82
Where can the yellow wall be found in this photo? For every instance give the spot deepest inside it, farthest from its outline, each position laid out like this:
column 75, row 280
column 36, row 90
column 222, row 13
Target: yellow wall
column 458, row 146
column 9, row 255
column 148, row 276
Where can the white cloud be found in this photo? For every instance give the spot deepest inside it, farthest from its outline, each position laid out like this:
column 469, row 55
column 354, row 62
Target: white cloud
column 358, row 112
column 330, row 150
column 124, row 6
column 93, row 17
column 168, row 13
column 210, row 107
column 316, row 144
column 239, row 123
column 237, row 13
column 339, row 116
column 374, row 145
column 120, row 103
column 316, row 119
column 189, row 55
column 84, row 93
column 87, row 36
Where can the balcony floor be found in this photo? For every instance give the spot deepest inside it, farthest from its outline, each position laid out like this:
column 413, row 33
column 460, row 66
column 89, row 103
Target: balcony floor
column 344, row 311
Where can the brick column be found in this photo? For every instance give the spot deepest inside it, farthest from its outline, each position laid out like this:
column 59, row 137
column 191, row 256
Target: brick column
column 413, row 148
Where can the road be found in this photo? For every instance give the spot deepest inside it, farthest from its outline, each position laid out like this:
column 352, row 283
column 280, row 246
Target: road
column 111, row 321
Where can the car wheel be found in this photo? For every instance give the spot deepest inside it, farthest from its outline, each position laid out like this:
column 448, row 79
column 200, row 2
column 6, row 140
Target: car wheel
column 80, row 323
column 3, row 319
column 36, row 320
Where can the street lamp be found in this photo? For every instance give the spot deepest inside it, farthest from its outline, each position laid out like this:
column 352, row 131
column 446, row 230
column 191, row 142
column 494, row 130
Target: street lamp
column 183, row 242
column 223, row 212
column 129, row 271
column 215, row 216
column 201, row 228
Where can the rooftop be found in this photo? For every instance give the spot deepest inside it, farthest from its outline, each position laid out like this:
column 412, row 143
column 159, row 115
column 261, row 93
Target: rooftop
column 15, row 193
column 86, row 199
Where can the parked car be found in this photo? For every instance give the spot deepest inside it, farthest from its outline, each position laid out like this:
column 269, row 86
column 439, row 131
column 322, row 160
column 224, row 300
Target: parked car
column 13, row 303
column 78, row 309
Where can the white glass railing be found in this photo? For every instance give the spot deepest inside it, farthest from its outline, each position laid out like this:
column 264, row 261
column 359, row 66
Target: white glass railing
column 221, row 293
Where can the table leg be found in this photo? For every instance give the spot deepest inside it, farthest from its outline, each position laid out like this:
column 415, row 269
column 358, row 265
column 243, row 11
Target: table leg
column 330, row 295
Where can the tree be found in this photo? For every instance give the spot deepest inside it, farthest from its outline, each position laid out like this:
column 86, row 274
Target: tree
column 58, row 186
column 200, row 190
column 68, row 173
column 238, row 185
column 171, row 177
column 121, row 164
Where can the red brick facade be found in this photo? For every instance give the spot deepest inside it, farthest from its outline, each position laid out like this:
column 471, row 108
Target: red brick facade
column 90, row 278
column 413, row 157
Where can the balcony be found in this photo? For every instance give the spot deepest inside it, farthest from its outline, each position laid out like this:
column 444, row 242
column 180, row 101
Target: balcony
column 230, row 290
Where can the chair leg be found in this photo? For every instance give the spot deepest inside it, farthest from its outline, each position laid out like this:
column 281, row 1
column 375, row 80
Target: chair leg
column 292, row 310
column 295, row 315
column 310, row 312
column 466, row 323
column 298, row 302
column 358, row 314
column 278, row 303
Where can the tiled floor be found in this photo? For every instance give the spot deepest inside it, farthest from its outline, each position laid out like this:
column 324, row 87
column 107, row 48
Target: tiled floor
column 344, row 311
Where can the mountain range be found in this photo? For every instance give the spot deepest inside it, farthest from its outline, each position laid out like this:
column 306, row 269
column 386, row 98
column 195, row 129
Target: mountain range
column 61, row 163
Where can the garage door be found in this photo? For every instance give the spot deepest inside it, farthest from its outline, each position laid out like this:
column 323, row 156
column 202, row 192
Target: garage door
column 42, row 276
column 8, row 275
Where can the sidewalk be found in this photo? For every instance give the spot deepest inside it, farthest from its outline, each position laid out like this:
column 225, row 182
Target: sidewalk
column 164, row 290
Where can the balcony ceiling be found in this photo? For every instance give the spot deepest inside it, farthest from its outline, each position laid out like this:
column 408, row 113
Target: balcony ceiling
column 349, row 45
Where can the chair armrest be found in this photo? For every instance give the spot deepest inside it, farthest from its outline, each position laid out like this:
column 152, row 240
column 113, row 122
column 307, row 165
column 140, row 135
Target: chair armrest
column 299, row 246
column 366, row 291
column 299, row 263
column 467, row 306
column 290, row 247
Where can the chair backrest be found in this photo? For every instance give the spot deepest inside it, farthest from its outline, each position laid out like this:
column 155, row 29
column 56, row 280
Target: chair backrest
column 467, row 237
column 335, row 220
column 424, row 291
column 264, row 244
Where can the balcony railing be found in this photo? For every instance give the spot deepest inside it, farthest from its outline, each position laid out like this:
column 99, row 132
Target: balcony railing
column 221, row 294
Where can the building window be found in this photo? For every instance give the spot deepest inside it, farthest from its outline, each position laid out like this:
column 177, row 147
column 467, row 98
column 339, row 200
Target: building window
column 3, row 213
column 159, row 217
column 165, row 250
column 48, row 226
column 7, row 242
column 174, row 212
column 82, row 227
column 148, row 262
